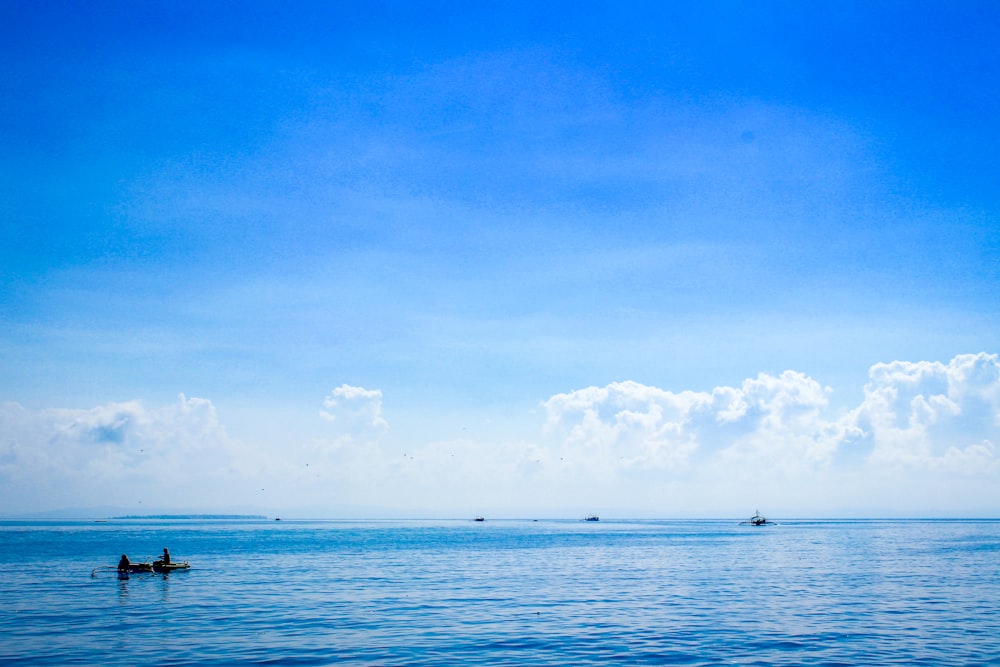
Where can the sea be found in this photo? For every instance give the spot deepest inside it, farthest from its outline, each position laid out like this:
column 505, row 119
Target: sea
column 502, row 592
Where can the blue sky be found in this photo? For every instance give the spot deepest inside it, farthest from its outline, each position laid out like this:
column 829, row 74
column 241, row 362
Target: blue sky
column 263, row 234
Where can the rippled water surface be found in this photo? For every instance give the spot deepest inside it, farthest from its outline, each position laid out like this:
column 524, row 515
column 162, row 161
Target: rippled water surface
column 504, row 593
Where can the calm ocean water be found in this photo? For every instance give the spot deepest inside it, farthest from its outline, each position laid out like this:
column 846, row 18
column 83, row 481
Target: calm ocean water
column 504, row 593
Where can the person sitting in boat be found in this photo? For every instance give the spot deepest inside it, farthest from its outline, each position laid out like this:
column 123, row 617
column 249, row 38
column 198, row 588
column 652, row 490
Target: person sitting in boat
column 124, row 564
column 166, row 557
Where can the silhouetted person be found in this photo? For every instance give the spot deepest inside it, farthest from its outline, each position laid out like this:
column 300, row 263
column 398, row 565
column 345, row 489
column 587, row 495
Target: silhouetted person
column 123, row 567
column 166, row 556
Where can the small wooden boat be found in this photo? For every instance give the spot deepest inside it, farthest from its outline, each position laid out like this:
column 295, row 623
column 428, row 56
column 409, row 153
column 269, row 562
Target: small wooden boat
column 156, row 567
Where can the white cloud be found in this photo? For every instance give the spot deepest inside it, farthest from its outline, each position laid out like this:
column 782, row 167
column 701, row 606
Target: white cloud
column 118, row 453
column 625, row 424
column 760, row 424
column 354, row 408
column 933, row 415
column 926, row 415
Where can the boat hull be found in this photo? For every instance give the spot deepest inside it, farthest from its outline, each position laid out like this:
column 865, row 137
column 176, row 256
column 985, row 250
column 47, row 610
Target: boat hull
column 166, row 568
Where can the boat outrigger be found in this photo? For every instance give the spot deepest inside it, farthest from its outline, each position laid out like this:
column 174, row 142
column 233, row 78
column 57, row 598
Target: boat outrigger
column 757, row 520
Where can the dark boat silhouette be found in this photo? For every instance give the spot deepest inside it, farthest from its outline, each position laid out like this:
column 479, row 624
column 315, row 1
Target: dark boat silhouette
column 757, row 520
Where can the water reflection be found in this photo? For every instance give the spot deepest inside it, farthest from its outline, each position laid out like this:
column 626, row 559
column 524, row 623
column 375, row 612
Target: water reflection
column 164, row 585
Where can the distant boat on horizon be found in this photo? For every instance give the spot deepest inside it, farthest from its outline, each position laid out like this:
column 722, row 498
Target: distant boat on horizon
column 757, row 520
column 592, row 517
column 480, row 518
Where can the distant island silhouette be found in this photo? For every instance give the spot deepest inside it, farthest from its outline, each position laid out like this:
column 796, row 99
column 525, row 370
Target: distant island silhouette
column 191, row 516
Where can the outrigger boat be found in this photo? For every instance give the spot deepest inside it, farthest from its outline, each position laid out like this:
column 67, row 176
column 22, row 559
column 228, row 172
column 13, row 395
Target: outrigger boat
column 156, row 567
column 757, row 520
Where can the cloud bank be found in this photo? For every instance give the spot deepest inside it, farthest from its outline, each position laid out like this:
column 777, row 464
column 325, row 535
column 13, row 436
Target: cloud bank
column 923, row 439
column 923, row 415
column 123, row 454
